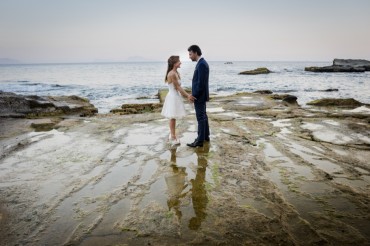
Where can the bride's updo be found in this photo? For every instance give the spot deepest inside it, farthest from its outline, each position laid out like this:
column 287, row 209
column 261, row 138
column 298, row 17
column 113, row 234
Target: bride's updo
column 171, row 62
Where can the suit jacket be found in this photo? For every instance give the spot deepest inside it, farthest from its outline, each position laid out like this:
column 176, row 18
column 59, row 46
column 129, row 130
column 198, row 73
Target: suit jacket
column 200, row 89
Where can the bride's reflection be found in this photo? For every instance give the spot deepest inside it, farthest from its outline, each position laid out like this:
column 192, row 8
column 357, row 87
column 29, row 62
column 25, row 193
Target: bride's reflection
column 199, row 193
column 176, row 185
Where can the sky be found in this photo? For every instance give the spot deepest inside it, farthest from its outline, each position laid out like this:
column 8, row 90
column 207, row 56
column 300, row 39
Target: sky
column 226, row 30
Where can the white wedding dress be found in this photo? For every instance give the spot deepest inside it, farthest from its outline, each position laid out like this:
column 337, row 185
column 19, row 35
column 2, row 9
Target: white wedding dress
column 173, row 107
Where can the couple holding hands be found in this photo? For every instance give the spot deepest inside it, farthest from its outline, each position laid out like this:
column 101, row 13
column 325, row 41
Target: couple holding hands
column 173, row 107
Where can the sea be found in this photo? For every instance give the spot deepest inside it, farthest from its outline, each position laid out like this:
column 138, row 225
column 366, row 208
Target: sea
column 109, row 85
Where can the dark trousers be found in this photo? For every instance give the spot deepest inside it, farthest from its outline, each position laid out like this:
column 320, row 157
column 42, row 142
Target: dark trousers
column 202, row 118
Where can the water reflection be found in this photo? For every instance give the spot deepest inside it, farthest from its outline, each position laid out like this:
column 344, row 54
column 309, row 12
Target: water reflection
column 177, row 184
column 199, row 193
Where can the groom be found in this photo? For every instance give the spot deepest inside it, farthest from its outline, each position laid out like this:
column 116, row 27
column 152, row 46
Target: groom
column 201, row 92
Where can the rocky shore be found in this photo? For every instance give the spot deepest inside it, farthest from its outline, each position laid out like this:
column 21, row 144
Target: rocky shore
column 274, row 173
column 19, row 106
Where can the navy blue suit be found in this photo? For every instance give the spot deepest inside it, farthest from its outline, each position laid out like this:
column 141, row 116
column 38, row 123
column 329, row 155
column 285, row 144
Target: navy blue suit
column 200, row 90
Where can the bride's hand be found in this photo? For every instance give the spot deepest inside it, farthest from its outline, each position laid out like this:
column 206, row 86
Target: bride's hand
column 191, row 98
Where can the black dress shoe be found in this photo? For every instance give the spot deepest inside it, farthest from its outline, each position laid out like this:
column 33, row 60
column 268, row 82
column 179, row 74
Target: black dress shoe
column 206, row 140
column 195, row 144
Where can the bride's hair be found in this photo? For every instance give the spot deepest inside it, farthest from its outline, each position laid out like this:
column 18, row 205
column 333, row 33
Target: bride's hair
column 171, row 61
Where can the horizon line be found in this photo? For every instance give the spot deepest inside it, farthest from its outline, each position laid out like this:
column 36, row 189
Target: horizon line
column 155, row 61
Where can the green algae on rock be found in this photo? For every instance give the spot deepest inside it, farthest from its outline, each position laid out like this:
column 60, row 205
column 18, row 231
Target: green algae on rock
column 46, row 124
column 162, row 93
column 137, row 108
column 337, row 102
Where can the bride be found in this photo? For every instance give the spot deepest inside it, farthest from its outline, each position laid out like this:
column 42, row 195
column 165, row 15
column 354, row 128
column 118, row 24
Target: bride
column 173, row 107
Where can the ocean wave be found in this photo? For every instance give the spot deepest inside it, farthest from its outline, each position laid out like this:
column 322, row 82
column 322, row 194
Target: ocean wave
column 108, row 85
column 224, row 88
column 285, row 91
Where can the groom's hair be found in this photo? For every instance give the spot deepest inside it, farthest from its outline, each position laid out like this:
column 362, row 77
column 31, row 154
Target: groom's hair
column 195, row 49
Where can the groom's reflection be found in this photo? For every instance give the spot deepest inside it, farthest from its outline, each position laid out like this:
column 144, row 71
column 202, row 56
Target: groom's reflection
column 199, row 193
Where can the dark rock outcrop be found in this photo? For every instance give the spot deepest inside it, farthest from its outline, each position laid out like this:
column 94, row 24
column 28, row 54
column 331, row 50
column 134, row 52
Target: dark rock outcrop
column 335, row 69
column 21, row 106
column 336, row 102
column 343, row 65
column 263, row 92
column 352, row 63
column 278, row 96
column 290, row 99
column 329, row 90
column 260, row 70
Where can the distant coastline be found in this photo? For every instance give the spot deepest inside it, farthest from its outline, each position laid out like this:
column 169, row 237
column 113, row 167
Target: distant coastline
column 9, row 61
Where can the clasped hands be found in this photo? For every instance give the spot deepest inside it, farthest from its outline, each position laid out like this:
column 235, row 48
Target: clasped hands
column 191, row 98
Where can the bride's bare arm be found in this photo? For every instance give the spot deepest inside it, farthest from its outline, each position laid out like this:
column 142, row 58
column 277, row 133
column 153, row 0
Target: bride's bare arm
column 174, row 79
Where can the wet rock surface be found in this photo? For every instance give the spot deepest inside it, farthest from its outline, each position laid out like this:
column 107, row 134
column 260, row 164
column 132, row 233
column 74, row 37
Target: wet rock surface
column 272, row 174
